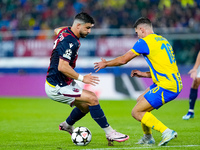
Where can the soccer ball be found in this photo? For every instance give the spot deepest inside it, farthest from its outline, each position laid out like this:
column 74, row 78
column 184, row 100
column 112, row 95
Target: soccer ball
column 81, row 136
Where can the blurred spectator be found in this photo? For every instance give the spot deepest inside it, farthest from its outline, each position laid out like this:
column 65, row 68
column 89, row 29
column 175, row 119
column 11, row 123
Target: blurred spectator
column 43, row 15
column 186, row 3
column 31, row 15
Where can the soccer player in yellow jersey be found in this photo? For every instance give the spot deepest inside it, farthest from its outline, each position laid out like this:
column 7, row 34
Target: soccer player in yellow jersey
column 164, row 72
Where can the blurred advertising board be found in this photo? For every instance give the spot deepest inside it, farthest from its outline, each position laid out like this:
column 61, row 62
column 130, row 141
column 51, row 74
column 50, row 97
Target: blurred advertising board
column 89, row 47
column 33, row 48
column 7, row 48
column 110, row 87
column 114, row 46
column 37, row 48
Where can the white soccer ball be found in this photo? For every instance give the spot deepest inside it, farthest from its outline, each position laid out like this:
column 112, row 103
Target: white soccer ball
column 81, row 136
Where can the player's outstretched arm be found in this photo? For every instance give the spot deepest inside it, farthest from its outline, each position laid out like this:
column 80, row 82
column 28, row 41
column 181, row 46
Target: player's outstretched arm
column 89, row 79
column 100, row 65
column 193, row 71
column 68, row 71
column 137, row 73
column 121, row 60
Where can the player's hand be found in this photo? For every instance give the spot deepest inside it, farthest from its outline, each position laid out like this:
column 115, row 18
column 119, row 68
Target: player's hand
column 89, row 79
column 193, row 73
column 137, row 73
column 100, row 65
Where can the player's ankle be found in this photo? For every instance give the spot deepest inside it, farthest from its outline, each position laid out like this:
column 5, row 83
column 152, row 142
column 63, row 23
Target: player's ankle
column 108, row 129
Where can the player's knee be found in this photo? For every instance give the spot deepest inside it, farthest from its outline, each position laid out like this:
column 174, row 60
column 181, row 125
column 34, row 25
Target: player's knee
column 136, row 114
column 93, row 100
column 84, row 108
column 138, row 99
column 133, row 113
column 196, row 83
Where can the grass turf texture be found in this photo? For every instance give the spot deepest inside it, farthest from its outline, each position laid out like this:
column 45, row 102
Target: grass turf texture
column 32, row 123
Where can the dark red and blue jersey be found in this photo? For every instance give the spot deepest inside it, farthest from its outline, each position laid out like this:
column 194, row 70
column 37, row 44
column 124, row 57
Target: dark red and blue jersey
column 65, row 47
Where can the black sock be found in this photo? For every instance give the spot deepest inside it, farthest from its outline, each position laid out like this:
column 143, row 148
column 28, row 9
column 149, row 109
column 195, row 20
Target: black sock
column 193, row 97
column 75, row 115
column 98, row 115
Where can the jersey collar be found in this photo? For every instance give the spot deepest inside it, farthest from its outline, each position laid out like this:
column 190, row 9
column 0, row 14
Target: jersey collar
column 70, row 31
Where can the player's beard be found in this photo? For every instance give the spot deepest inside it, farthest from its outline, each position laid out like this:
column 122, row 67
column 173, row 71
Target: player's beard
column 82, row 35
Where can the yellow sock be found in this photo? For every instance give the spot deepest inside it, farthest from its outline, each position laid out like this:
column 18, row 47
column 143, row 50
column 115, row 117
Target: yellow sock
column 145, row 129
column 152, row 122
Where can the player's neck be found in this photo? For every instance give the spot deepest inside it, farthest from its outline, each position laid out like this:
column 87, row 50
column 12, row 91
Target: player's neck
column 75, row 31
column 149, row 32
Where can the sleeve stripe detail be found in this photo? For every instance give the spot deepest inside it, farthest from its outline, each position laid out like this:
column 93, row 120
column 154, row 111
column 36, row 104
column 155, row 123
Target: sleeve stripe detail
column 64, row 58
column 135, row 52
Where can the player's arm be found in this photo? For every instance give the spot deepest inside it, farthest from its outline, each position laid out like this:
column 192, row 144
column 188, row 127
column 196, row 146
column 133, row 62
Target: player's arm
column 193, row 71
column 68, row 71
column 137, row 73
column 121, row 60
column 57, row 30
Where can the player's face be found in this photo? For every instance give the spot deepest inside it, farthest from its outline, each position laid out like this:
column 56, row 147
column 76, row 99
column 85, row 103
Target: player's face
column 85, row 29
column 140, row 32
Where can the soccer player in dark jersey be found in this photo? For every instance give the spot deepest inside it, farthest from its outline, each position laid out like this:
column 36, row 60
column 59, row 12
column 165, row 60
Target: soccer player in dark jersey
column 60, row 81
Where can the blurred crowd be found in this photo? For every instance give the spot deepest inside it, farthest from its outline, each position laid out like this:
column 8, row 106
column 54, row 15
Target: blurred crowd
column 48, row 14
column 44, row 15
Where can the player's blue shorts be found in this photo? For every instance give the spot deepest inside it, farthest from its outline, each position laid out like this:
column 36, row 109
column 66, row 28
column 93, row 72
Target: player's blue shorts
column 157, row 96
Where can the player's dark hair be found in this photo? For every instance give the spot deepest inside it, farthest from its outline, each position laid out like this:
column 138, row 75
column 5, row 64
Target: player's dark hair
column 142, row 20
column 84, row 17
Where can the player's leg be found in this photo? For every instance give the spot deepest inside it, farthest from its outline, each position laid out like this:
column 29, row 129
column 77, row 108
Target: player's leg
column 192, row 98
column 66, row 95
column 147, row 137
column 75, row 115
column 92, row 103
column 84, row 101
column 141, row 112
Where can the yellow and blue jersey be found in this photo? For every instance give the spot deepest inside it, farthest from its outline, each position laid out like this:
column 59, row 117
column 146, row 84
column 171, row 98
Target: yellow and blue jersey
column 160, row 57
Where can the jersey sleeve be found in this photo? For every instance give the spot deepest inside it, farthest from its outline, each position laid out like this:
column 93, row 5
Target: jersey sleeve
column 67, row 48
column 140, row 47
column 61, row 30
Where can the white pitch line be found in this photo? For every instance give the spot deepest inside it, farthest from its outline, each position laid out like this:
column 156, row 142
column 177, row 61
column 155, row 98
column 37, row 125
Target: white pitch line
column 149, row 147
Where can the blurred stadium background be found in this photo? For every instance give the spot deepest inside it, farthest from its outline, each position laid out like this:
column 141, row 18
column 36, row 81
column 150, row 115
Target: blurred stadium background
column 26, row 41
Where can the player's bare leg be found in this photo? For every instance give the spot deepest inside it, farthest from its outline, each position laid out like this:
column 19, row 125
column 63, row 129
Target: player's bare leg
column 147, row 137
column 89, row 102
column 141, row 112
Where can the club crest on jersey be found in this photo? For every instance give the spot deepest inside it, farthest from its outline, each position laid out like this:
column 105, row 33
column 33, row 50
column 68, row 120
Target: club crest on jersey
column 75, row 90
column 68, row 54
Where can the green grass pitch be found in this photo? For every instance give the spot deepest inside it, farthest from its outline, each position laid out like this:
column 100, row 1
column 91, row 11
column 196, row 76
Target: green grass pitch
column 32, row 124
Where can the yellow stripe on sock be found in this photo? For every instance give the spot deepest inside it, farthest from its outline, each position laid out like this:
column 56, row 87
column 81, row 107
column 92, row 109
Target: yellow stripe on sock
column 152, row 122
